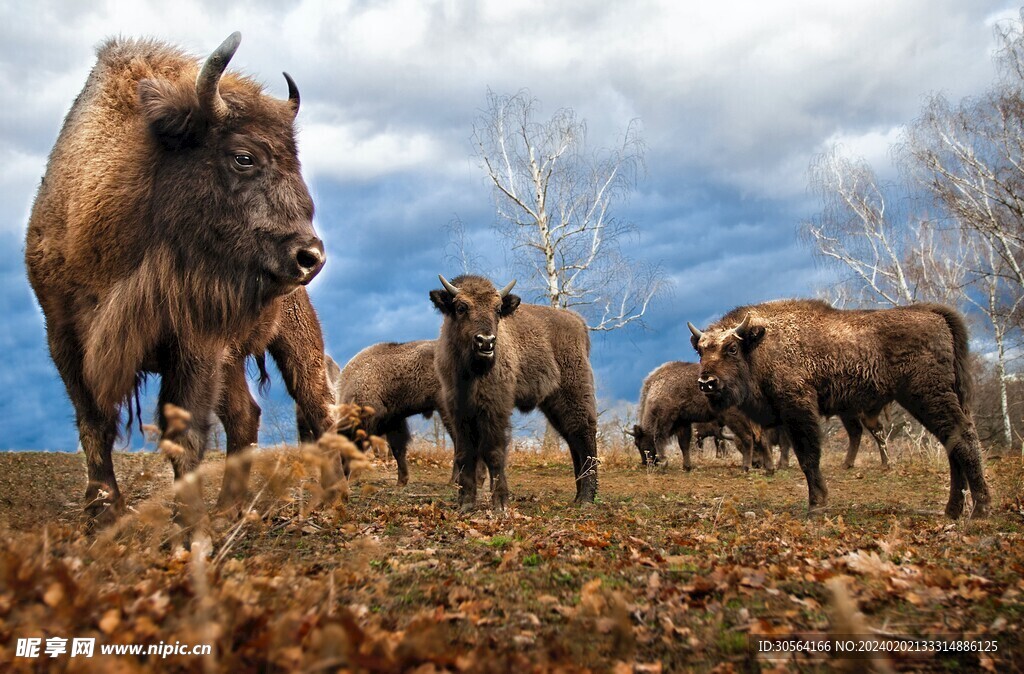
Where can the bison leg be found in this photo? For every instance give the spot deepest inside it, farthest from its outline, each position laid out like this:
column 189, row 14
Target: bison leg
column 762, row 449
column 745, row 443
column 854, row 430
column 577, row 424
column 240, row 415
column 398, row 440
column 97, row 430
column 465, row 437
column 785, row 445
column 683, row 437
column 874, row 426
column 942, row 415
column 805, row 433
column 719, row 446
column 190, row 381
column 298, row 350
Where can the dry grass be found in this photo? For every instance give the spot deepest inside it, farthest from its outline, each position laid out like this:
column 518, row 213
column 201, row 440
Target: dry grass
column 669, row 570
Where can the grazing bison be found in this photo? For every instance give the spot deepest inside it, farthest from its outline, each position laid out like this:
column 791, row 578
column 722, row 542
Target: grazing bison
column 172, row 234
column 397, row 380
column 670, row 403
column 775, row 437
column 791, row 361
column 855, row 426
column 710, row 429
column 494, row 354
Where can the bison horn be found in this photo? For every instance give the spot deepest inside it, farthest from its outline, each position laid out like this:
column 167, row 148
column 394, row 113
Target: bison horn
column 742, row 327
column 207, row 84
column 293, row 93
column 507, row 289
column 693, row 330
column 629, row 431
column 448, row 286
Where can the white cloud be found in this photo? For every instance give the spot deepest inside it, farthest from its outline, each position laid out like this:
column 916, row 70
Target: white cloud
column 353, row 152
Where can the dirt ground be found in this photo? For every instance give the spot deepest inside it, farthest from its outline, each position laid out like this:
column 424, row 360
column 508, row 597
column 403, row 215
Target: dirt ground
column 668, row 571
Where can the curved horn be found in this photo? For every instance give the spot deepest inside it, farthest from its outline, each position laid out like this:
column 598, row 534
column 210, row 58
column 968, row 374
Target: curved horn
column 629, row 431
column 448, row 286
column 293, row 93
column 742, row 327
column 207, row 84
column 507, row 289
column 693, row 330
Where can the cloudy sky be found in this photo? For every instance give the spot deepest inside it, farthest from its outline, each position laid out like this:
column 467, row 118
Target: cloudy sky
column 734, row 98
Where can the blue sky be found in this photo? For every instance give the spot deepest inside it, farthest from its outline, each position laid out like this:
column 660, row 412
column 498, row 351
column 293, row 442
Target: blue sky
column 734, row 101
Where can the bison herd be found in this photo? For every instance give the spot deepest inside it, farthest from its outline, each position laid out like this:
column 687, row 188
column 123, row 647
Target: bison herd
column 172, row 234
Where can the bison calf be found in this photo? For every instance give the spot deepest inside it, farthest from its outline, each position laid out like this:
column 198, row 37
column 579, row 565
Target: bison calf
column 495, row 354
column 791, row 361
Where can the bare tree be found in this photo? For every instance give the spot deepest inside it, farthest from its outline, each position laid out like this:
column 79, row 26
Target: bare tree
column 554, row 201
column 458, row 252
column 956, row 234
column 856, row 229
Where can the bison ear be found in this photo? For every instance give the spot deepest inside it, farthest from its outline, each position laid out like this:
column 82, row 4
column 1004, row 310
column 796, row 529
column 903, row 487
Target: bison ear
column 752, row 336
column 442, row 300
column 509, row 304
column 172, row 112
column 693, row 342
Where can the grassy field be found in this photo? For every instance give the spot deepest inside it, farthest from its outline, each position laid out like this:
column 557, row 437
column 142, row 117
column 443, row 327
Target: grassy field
column 668, row 571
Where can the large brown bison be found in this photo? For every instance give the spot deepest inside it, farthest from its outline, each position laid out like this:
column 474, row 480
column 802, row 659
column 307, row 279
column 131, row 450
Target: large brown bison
column 494, row 355
column 171, row 234
column 671, row 403
column 791, row 361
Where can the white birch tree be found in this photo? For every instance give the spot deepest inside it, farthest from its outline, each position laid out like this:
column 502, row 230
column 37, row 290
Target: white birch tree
column 555, row 202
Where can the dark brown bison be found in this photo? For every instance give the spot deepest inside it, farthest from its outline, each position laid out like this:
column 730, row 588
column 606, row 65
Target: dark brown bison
column 670, row 404
column 494, row 355
column 170, row 234
column 792, row 361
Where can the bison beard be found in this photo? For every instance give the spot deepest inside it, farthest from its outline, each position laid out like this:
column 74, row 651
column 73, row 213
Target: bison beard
column 172, row 233
column 493, row 355
column 792, row 361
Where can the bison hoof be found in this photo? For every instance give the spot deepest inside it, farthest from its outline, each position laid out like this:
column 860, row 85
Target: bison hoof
column 981, row 510
column 100, row 512
column 847, row 465
column 687, row 468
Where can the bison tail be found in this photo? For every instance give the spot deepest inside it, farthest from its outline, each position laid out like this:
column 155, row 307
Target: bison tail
column 261, row 365
column 963, row 382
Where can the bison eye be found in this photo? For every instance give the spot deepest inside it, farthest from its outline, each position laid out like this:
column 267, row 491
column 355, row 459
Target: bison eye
column 244, row 161
column 461, row 309
column 732, row 349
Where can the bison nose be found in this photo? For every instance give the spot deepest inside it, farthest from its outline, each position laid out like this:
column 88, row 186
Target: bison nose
column 309, row 260
column 485, row 342
column 708, row 384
